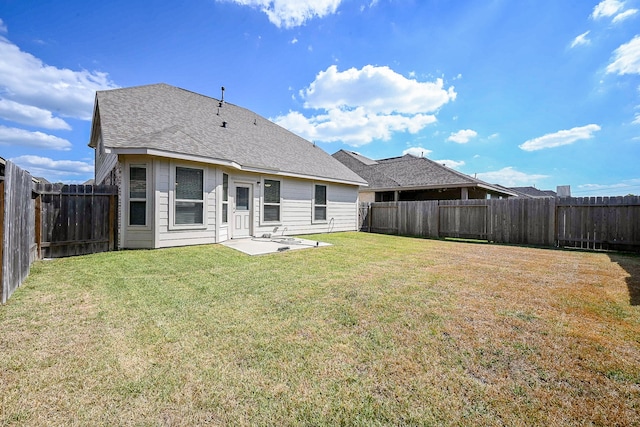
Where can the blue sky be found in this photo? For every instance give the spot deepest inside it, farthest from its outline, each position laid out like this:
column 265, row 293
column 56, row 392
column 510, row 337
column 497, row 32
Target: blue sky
column 517, row 93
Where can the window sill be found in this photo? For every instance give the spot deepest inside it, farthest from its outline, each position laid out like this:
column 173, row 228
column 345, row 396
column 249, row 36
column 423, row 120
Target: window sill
column 183, row 227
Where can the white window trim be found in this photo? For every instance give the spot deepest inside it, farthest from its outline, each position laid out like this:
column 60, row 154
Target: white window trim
column 222, row 201
column 172, row 197
column 326, row 204
column 147, row 200
column 262, row 203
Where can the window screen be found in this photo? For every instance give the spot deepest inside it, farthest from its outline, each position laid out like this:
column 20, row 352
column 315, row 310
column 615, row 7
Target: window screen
column 137, row 195
column 189, row 202
column 320, row 203
column 271, row 203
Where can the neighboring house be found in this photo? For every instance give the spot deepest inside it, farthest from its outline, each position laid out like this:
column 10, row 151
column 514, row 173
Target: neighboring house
column 409, row 178
column 532, row 192
column 193, row 169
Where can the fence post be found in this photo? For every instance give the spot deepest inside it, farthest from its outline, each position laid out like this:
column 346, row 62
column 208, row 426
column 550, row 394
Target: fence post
column 112, row 220
column 38, row 225
column 2, row 297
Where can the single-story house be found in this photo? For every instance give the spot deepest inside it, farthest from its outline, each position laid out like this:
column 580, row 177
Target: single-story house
column 192, row 169
column 410, row 178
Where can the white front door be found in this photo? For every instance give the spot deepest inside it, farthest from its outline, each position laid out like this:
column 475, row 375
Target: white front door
column 242, row 211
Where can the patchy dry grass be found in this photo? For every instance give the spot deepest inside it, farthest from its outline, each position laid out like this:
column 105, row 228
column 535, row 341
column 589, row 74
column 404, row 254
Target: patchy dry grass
column 375, row 330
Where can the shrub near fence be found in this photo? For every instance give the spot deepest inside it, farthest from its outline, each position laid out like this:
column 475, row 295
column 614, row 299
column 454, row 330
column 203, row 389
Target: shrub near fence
column 611, row 223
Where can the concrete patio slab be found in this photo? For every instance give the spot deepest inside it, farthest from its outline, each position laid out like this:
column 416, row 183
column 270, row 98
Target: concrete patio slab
column 263, row 245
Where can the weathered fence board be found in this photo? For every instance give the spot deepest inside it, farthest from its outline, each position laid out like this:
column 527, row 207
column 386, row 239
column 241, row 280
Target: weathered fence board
column 608, row 223
column 418, row 218
column 463, row 219
column 17, row 226
column 599, row 223
column 383, row 217
column 77, row 219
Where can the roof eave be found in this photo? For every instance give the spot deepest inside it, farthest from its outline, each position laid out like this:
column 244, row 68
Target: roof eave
column 436, row 186
column 229, row 164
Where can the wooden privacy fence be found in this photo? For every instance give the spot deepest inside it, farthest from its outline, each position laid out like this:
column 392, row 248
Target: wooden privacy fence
column 17, row 229
column 50, row 221
column 77, row 219
column 610, row 223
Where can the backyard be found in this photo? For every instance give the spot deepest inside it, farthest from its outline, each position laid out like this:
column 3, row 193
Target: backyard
column 374, row 330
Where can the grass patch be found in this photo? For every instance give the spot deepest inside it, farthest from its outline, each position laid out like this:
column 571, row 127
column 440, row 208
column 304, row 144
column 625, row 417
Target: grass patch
column 374, row 330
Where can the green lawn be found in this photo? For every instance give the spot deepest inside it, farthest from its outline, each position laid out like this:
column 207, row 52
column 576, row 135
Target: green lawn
column 374, row 330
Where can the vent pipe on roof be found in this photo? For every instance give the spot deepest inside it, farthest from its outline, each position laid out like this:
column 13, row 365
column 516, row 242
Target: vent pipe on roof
column 224, row 124
column 222, row 98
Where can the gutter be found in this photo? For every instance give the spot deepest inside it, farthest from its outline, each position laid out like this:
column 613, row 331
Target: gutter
column 227, row 163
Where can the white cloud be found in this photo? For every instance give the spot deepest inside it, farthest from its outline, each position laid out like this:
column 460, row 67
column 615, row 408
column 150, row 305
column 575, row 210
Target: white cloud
column 626, row 58
column 28, row 115
column 294, row 40
column 622, row 188
column 14, row 136
column 606, row 8
column 462, row 136
column 417, row 151
column 624, row 15
column 354, row 127
column 453, row 164
column 509, row 177
column 581, row 40
column 636, row 120
column 292, row 13
column 615, row 8
column 359, row 106
column 563, row 137
column 52, row 169
column 3, row 27
column 377, row 89
column 27, row 80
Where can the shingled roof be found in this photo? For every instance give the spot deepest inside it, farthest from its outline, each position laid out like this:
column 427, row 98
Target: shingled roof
column 533, row 192
column 410, row 172
column 167, row 121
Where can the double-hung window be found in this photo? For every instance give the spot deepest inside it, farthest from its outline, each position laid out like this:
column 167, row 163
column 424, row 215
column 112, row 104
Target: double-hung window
column 189, row 196
column 138, row 195
column 271, row 202
column 320, row 203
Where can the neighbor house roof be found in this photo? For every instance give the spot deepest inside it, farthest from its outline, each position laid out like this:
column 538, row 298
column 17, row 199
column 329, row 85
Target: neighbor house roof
column 532, row 192
column 167, row 121
column 410, row 172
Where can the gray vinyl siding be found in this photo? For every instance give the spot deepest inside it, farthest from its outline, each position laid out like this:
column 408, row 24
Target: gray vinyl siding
column 104, row 162
column 166, row 235
column 137, row 237
column 297, row 208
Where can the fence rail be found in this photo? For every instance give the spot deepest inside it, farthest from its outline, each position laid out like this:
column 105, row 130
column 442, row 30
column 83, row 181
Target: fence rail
column 610, row 223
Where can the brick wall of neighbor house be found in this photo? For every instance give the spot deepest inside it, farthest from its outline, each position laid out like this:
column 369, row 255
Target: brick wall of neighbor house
column 367, row 196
